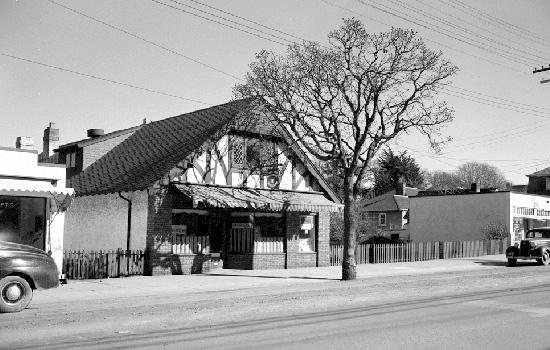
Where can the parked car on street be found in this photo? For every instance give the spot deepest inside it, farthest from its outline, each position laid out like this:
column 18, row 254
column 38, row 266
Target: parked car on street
column 536, row 245
column 23, row 269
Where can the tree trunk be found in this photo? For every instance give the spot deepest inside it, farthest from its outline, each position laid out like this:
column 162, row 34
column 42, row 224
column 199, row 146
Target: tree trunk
column 348, row 264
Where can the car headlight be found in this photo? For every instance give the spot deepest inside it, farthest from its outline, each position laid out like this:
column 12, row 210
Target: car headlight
column 533, row 244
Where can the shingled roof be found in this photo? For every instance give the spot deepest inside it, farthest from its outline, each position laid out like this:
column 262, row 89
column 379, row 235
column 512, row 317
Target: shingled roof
column 156, row 148
column 153, row 150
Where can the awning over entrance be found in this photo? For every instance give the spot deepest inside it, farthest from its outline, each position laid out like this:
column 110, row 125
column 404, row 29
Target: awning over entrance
column 257, row 199
column 62, row 196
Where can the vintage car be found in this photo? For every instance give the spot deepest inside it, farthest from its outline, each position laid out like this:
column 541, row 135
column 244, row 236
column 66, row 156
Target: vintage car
column 536, row 245
column 23, row 269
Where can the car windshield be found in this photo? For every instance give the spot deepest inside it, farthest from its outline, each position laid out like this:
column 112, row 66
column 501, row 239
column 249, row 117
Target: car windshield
column 538, row 234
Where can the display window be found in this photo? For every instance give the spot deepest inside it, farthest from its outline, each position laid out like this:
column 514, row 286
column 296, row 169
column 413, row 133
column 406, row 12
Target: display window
column 23, row 220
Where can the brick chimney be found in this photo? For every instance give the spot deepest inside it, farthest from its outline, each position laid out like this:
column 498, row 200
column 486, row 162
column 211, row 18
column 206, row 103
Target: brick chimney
column 400, row 187
column 51, row 141
column 23, row 142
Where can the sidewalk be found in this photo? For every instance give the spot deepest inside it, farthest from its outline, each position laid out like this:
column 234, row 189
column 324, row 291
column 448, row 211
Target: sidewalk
column 224, row 280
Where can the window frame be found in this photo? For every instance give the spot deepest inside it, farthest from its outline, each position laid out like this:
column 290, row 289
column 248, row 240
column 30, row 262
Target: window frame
column 248, row 143
column 382, row 219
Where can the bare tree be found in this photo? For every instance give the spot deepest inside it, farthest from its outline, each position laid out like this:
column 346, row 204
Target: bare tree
column 484, row 174
column 442, row 180
column 342, row 103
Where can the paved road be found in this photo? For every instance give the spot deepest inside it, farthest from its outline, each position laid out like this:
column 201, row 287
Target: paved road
column 512, row 319
column 453, row 304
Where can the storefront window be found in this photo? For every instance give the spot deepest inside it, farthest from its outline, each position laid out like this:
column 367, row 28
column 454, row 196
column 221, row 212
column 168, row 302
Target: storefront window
column 190, row 224
column 269, row 225
column 307, row 233
column 23, row 220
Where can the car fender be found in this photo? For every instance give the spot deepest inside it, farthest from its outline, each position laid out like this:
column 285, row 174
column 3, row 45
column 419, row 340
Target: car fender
column 32, row 268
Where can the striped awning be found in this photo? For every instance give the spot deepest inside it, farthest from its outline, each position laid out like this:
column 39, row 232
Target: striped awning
column 258, row 199
column 61, row 196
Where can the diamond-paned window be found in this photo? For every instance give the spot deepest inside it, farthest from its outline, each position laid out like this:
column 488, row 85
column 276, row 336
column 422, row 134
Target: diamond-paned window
column 238, row 150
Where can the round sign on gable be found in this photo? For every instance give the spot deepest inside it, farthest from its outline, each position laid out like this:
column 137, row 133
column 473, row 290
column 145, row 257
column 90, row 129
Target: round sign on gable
column 272, row 181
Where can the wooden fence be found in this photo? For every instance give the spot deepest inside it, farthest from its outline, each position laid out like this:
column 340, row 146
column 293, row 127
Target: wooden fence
column 102, row 264
column 403, row 252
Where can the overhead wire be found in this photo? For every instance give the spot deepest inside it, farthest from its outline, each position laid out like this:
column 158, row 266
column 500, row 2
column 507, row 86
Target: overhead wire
column 102, row 79
column 497, row 22
column 432, row 41
column 461, row 38
column 150, row 42
column 250, row 21
column 500, row 45
column 224, row 24
column 480, row 28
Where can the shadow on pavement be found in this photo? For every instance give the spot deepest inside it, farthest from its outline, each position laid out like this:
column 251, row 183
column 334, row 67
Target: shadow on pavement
column 492, row 263
column 279, row 277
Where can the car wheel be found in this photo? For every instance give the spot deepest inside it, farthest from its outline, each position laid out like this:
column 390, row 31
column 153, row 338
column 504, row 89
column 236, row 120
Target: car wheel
column 545, row 259
column 15, row 294
column 512, row 262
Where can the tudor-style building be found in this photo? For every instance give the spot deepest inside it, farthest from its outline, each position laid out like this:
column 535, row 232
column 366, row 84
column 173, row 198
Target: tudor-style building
column 218, row 185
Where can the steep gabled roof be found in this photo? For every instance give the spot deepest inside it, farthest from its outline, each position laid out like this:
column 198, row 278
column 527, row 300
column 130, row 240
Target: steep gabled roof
column 153, row 150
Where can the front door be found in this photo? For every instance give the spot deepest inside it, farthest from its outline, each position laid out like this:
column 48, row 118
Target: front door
column 217, row 230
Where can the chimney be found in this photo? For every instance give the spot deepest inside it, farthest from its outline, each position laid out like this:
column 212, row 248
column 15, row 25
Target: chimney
column 400, row 189
column 23, row 142
column 93, row 133
column 475, row 187
column 51, row 141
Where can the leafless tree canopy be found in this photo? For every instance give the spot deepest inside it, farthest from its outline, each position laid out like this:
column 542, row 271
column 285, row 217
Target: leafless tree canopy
column 484, row 174
column 343, row 102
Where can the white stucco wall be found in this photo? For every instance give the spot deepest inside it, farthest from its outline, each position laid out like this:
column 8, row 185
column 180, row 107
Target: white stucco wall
column 100, row 222
column 456, row 217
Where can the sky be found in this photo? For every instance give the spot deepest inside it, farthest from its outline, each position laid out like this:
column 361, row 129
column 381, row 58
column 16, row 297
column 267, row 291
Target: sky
column 111, row 64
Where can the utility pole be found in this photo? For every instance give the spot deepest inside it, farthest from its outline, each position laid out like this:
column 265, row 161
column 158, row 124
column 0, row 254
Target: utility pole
column 542, row 70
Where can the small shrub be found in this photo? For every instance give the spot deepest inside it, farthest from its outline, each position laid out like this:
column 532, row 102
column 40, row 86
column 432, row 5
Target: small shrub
column 495, row 231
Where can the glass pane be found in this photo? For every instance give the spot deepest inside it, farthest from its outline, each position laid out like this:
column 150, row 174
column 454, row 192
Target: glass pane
column 307, row 233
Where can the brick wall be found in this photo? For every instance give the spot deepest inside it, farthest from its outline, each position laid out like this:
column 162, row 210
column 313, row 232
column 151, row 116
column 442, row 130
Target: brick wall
column 323, row 239
column 295, row 259
column 159, row 233
column 186, row 264
column 255, row 261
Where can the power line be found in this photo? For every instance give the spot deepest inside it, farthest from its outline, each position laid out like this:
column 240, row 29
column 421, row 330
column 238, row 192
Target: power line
column 500, row 45
column 429, row 40
column 521, row 32
column 458, row 37
column 102, row 79
column 223, row 24
column 480, row 28
column 248, row 20
column 144, row 40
